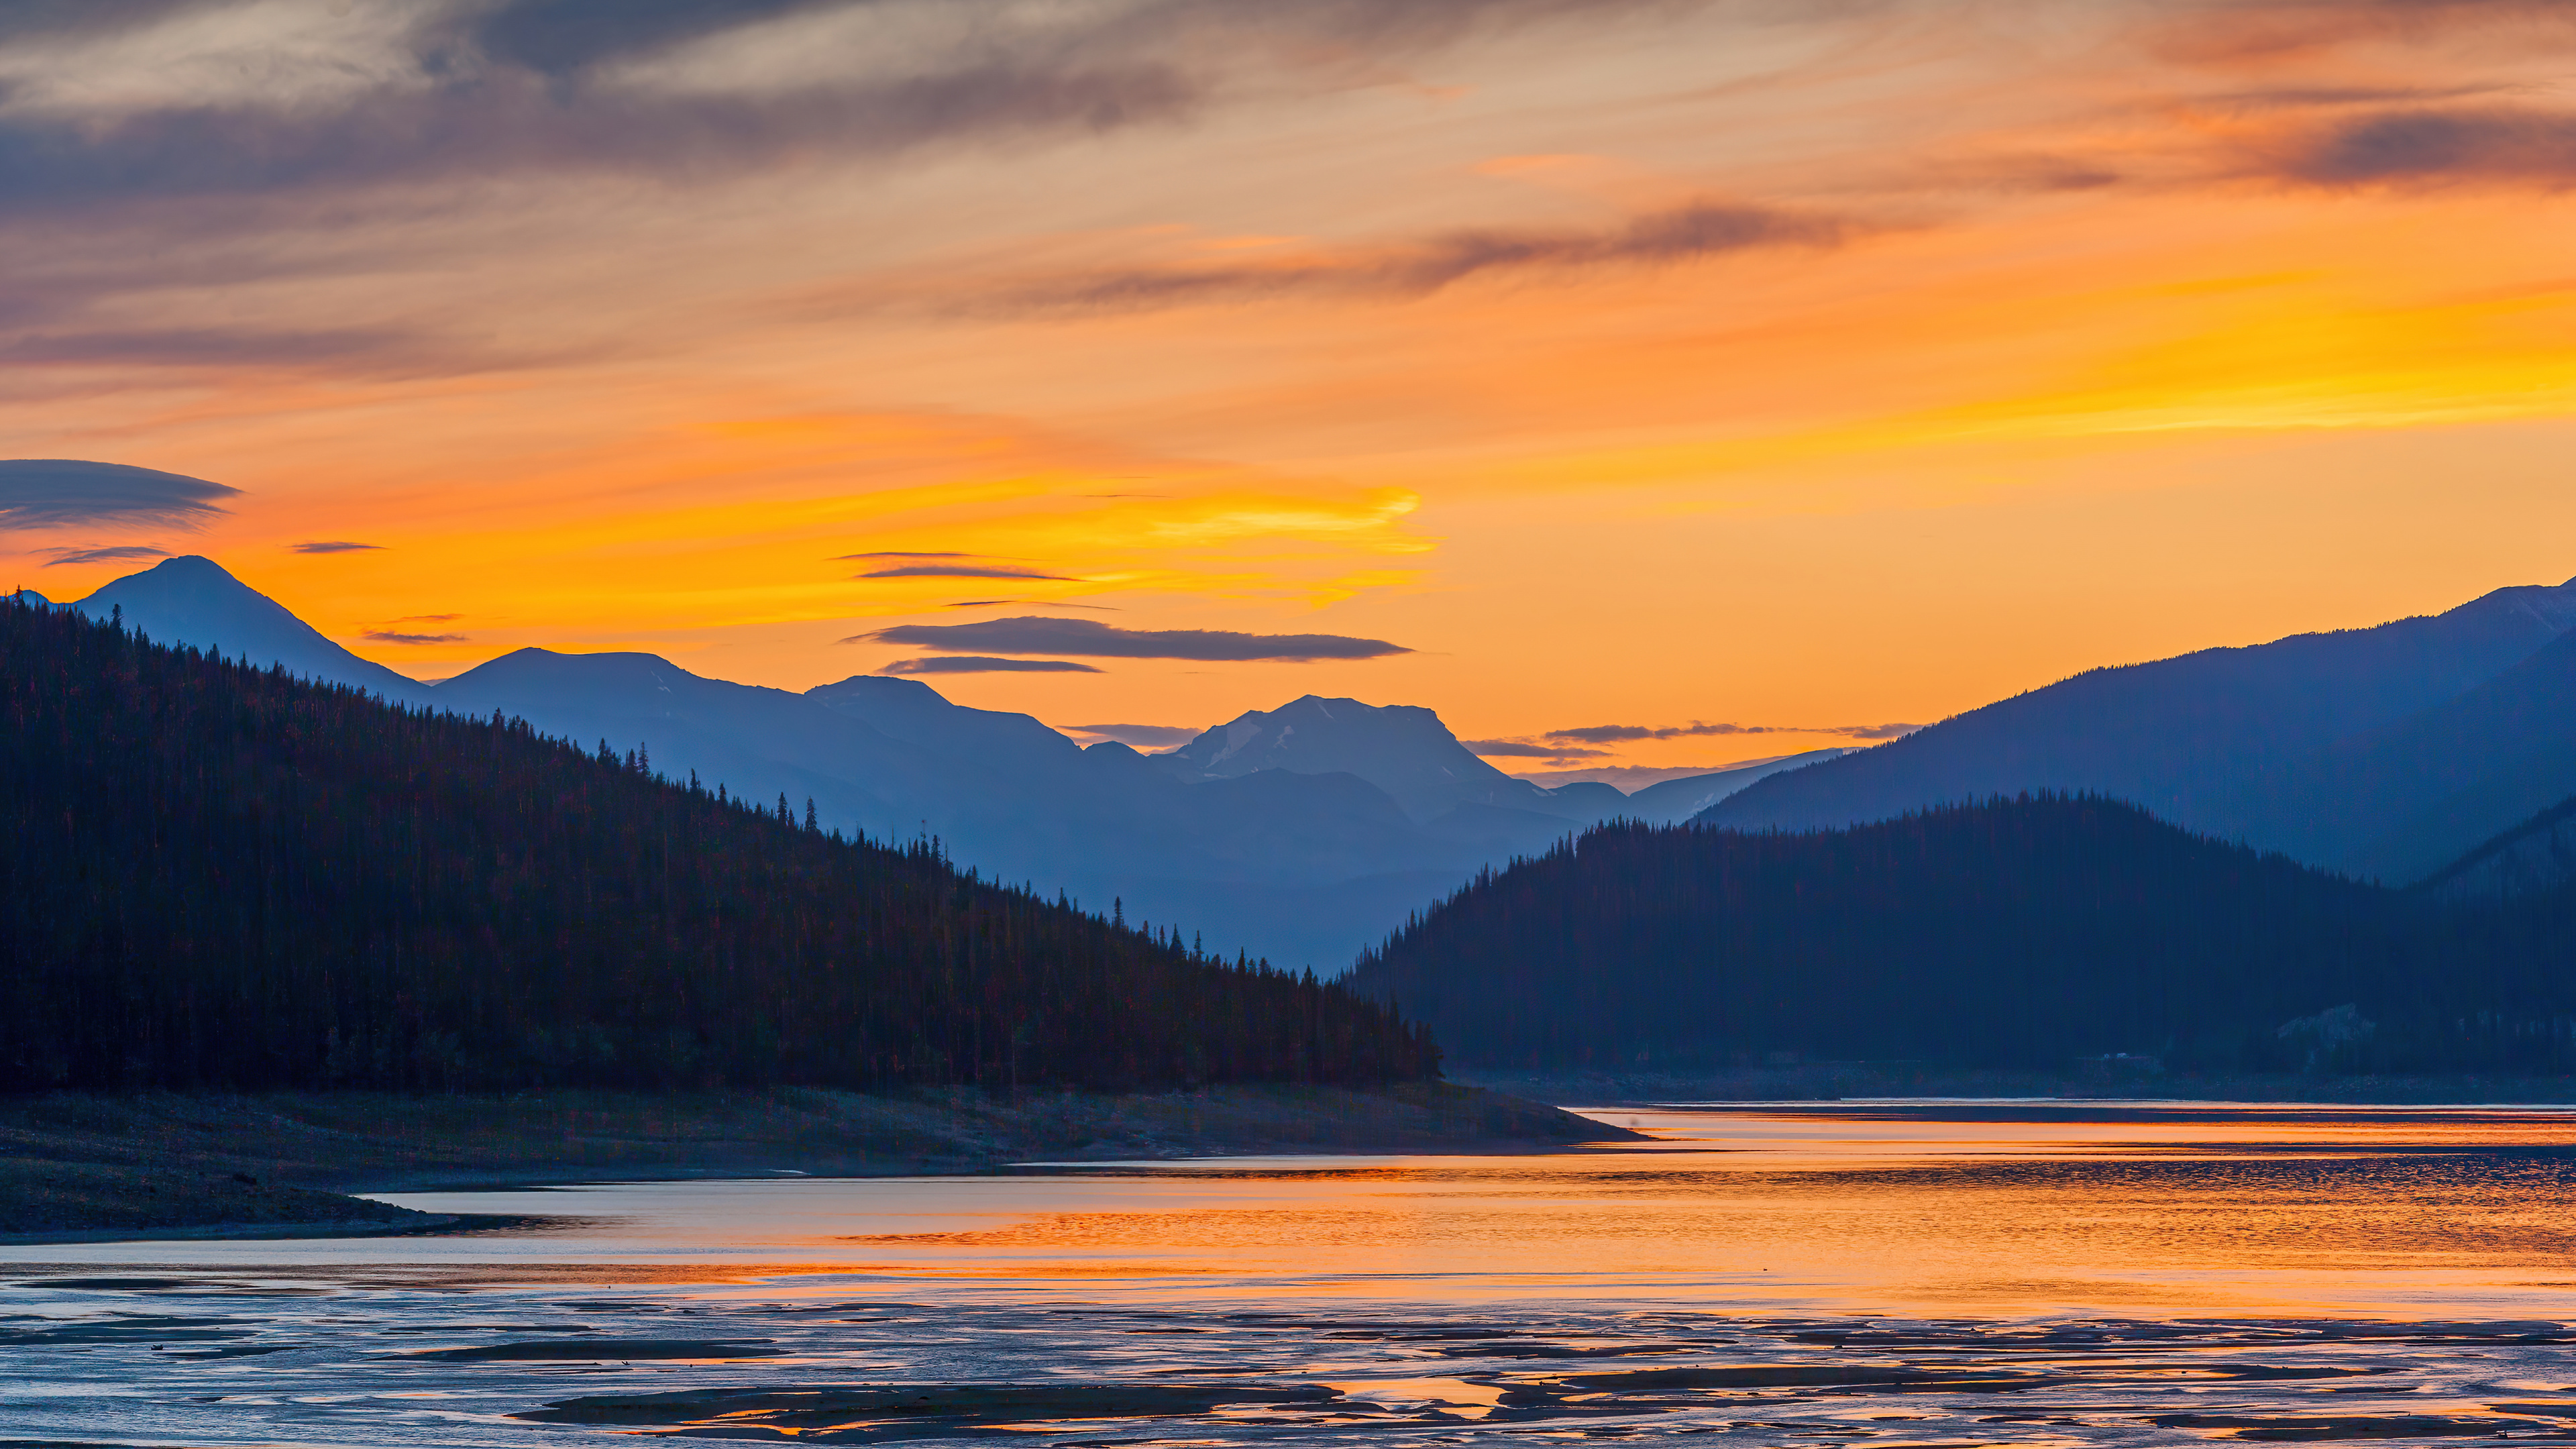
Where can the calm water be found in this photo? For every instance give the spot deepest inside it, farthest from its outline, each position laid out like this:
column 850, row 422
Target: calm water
column 1905, row 1274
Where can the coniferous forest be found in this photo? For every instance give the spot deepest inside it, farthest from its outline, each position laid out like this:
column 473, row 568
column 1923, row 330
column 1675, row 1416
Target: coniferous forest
column 224, row 877
column 2029, row 932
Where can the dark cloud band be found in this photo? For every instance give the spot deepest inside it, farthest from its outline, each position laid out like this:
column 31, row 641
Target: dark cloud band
column 333, row 545
column 973, row 664
column 960, row 571
column 113, row 553
column 1090, row 639
column 2431, row 147
column 1627, row 734
column 62, row 492
column 1150, row 737
column 552, row 85
column 1530, row 750
column 1680, row 234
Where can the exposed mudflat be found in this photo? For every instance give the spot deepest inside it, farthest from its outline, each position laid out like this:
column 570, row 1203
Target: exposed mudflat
column 156, row 1164
column 1933, row 1276
column 277, row 1359
column 45, row 1199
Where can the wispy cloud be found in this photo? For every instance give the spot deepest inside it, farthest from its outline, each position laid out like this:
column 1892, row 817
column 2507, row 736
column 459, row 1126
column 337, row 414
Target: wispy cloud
column 62, row 492
column 896, row 553
column 333, row 545
column 1087, row 638
column 1694, row 232
column 959, row 571
column 1628, row 734
column 2431, row 147
column 397, row 636
column 1150, row 737
column 248, row 96
column 1530, row 750
column 1029, row 604
column 972, row 664
column 371, row 350
column 113, row 553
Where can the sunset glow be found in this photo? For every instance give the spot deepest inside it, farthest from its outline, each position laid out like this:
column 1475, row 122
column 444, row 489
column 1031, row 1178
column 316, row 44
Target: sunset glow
column 1801, row 367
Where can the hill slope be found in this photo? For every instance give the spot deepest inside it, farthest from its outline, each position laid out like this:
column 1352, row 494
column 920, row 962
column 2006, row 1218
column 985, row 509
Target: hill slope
column 225, row 877
column 2226, row 741
column 2016, row 933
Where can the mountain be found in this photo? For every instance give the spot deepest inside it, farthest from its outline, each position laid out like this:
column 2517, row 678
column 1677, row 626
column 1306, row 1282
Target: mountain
column 1668, row 801
column 1402, row 749
column 1298, row 863
column 2020, row 933
column 193, row 601
column 2419, row 794
column 228, row 878
column 2256, row 743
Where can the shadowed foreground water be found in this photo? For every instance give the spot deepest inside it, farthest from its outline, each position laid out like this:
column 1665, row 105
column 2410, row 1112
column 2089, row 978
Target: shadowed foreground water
column 1901, row 1274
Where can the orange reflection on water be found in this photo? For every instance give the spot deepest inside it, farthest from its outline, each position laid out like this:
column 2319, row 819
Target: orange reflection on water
column 2131, row 1209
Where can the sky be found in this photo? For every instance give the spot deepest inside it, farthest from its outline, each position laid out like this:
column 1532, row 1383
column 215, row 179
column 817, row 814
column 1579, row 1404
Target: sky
column 1635, row 382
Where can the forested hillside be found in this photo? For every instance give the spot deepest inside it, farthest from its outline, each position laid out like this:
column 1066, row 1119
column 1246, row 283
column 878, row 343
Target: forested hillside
column 2027, row 933
column 219, row 876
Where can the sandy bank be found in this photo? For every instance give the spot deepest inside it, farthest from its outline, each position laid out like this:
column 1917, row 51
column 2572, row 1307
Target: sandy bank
column 156, row 1164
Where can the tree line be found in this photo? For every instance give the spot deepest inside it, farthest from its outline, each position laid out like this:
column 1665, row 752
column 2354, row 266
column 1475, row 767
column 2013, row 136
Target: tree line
column 2024, row 932
column 221, row 876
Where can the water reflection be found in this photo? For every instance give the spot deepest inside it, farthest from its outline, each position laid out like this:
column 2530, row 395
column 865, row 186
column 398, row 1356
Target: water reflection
column 1971, row 1272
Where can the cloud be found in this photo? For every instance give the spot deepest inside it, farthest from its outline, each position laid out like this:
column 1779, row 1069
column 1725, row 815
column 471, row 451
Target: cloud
column 2429, row 147
column 1527, row 750
column 395, row 636
column 1088, row 638
column 1677, row 235
column 1624, row 734
column 61, row 492
column 1872, row 732
column 959, row 571
column 975, row 664
column 332, row 545
column 121, row 99
column 1029, row 604
column 1152, row 737
column 894, row 553
column 114, row 553
column 377, row 349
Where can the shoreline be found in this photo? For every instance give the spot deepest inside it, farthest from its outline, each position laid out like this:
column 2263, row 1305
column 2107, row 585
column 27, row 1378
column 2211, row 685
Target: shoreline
column 78, row 1167
column 1824, row 1083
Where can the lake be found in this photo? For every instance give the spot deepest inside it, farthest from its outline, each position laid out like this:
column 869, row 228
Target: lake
column 1901, row 1273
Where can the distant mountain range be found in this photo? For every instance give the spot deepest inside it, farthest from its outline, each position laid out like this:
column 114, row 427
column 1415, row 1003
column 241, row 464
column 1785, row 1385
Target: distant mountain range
column 2385, row 752
column 1301, row 834
column 1308, row 832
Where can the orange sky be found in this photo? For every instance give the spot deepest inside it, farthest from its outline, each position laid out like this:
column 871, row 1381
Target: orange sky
column 1635, row 363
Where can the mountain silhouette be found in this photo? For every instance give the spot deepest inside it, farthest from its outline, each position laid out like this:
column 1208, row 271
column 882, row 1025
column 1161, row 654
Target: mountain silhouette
column 193, row 601
column 1402, row 749
column 2331, row 747
column 1303, row 857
